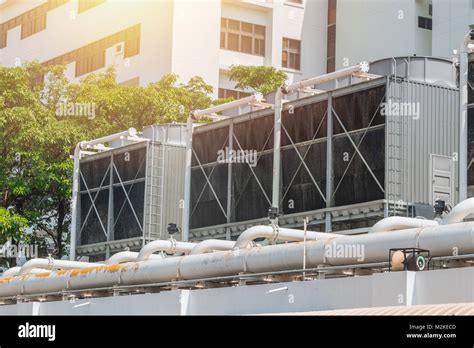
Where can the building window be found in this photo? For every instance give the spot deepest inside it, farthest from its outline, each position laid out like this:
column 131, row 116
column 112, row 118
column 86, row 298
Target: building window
column 85, row 5
column 3, row 39
column 291, row 55
column 331, row 32
column 92, row 56
column 425, row 23
column 31, row 21
column 430, row 9
column 33, row 26
column 229, row 93
column 242, row 37
column 90, row 63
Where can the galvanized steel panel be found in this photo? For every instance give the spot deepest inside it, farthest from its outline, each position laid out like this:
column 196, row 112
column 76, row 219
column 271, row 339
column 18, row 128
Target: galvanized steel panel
column 412, row 138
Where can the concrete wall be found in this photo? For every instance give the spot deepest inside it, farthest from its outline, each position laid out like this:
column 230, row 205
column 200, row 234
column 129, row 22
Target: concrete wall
column 377, row 290
column 371, row 30
column 451, row 20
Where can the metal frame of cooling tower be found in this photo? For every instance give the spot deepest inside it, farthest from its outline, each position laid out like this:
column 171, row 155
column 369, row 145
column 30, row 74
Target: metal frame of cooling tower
column 371, row 210
column 395, row 201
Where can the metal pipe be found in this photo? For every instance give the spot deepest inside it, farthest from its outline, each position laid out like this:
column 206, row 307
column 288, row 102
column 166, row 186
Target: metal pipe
column 212, row 245
column 49, row 264
column 440, row 240
column 274, row 233
column 362, row 67
column 399, row 223
column 187, row 181
column 463, row 132
column 14, row 271
column 460, row 212
column 170, row 246
column 127, row 256
column 277, row 149
column 256, row 97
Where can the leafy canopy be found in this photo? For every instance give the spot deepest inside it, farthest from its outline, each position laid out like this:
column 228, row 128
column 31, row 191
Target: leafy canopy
column 263, row 79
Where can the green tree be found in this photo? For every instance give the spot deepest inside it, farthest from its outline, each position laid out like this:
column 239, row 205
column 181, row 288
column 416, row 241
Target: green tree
column 36, row 141
column 263, row 79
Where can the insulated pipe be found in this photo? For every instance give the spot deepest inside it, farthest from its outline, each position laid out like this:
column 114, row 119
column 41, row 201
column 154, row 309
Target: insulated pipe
column 53, row 264
column 256, row 97
column 393, row 223
column 169, row 246
column 211, row 245
column 460, row 212
column 277, row 233
column 14, row 271
column 126, row 256
column 362, row 67
column 440, row 240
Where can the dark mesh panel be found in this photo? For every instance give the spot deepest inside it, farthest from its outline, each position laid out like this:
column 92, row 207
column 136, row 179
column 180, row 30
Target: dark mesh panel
column 93, row 232
column 207, row 212
column 126, row 225
column 207, row 144
column 93, row 172
column 356, row 109
column 304, row 122
column 249, row 200
column 253, row 134
column 358, row 184
column 134, row 168
column 303, row 195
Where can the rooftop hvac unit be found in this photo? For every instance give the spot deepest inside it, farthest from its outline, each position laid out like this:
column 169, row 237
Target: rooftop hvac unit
column 129, row 193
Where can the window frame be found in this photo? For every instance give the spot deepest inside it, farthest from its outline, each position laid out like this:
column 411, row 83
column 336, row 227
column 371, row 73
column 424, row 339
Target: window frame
column 257, row 49
column 291, row 52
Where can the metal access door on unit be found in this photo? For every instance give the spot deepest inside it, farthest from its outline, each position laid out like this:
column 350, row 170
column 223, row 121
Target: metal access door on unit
column 442, row 179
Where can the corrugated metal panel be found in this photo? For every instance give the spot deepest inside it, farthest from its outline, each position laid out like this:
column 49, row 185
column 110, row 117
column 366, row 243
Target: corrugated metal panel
column 413, row 137
column 164, row 188
column 174, row 161
column 171, row 134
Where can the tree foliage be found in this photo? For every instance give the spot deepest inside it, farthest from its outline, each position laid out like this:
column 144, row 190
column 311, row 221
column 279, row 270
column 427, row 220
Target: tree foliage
column 263, row 79
column 36, row 141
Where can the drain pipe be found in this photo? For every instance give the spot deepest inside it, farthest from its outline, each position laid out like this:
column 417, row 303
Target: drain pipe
column 394, row 223
column 211, row 245
column 274, row 233
column 170, row 246
column 49, row 264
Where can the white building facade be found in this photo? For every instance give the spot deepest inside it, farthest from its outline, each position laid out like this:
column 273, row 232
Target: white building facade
column 149, row 38
column 451, row 21
column 374, row 29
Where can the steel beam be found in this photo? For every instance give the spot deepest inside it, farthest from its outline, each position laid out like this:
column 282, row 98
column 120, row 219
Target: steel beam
column 329, row 164
column 187, row 181
column 278, row 106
